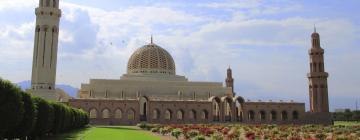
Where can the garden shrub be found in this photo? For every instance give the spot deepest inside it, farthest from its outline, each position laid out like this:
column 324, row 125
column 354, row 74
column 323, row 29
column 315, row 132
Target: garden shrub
column 193, row 133
column 27, row 124
column 199, row 137
column 11, row 107
column 45, row 117
column 217, row 136
column 176, row 133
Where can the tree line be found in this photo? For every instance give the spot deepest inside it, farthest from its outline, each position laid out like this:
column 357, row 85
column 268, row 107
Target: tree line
column 24, row 116
column 347, row 115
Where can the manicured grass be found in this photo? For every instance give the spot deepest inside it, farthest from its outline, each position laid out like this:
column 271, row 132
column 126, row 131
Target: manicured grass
column 118, row 133
column 347, row 123
column 106, row 133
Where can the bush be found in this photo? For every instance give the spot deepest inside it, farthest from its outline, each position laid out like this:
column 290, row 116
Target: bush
column 24, row 116
column 155, row 129
column 45, row 117
column 176, row 133
column 193, row 133
column 199, row 137
column 28, row 122
column 217, row 136
column 11, row 107
column 142, row 125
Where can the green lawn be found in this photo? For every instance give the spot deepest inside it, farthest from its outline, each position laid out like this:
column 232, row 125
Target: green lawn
column 347, row 123
column 107, row 133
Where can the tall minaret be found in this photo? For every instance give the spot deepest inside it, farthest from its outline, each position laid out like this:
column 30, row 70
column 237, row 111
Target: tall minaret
column 230, row 80
column 318, row 88
column 45, row 49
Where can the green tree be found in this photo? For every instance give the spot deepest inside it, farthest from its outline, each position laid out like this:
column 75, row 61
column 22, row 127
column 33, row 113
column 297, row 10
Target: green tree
column 45, row 117
column 27, row 124
column 11, row 107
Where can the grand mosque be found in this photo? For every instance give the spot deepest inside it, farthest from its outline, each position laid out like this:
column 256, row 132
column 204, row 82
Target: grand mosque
column 151, row 91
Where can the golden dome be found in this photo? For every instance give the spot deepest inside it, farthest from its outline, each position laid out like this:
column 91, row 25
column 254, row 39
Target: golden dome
column 151, row 59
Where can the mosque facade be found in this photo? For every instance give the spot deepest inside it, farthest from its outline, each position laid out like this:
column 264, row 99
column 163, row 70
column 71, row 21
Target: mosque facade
column 152, row 92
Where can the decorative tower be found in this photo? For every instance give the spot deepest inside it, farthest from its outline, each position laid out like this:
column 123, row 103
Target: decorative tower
column 45, row 49
column 230, row 80
column 318, row 88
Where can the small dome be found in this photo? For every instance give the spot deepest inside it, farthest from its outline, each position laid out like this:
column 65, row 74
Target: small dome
column 315, row 35
column 151, row 59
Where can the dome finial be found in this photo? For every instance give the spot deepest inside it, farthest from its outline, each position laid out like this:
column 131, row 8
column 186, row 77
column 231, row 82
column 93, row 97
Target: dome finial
column 314, row 28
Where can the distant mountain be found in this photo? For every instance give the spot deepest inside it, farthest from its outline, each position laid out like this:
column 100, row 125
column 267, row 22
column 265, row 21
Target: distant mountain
column 72, row 91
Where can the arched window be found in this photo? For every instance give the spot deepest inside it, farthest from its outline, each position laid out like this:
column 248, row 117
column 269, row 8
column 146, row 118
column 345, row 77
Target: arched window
column 273, row 115
column 156, row 114
column 47, row 3
column 204, row 115
column 262, row 115
column 93, row 113
column 168, row 115
column 251, row 116
column 54, row 3
column 180, row 115
column 192, row 114
column 131, row 114
column 105, row 114
column 41, row 3
column 118, row 114
column 284, row 115
column 295, row 115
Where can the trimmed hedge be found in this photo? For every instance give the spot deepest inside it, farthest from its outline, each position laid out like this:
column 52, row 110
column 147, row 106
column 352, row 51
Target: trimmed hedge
column 23, row 116
column 28, row 123
column 11, row 107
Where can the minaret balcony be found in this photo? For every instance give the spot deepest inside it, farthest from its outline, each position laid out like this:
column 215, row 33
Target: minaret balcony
column 317, row 75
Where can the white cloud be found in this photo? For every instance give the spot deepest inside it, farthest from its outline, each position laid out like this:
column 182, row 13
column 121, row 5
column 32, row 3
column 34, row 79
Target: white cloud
column 16, row 4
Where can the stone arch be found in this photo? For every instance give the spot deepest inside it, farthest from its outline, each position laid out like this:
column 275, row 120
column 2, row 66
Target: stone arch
column 168, row 114
column 93, row 113
column 295, row 115
column 180, row 114
column 130, row 114
column 239, row 107
column 156, row 114
column 204, row 114
column 284, row 115
column 227, row 107
column 192, row 114
column 262, row 115
column 273, row 115
column 251, row 115
column 105, row 113
column 215, row 107
column 144, row 107
column 118, row 113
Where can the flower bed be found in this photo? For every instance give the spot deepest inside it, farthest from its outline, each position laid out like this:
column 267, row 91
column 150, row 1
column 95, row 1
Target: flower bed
column 256, row 132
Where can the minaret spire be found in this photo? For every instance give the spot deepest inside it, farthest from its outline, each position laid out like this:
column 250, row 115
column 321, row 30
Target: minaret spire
column 151, row 39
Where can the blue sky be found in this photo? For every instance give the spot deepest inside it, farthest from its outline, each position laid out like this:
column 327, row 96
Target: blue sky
column 265, row 42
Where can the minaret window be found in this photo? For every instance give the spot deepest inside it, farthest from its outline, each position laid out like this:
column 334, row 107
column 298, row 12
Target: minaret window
column 320, row 67
column 54, row 3
column 47, row 3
